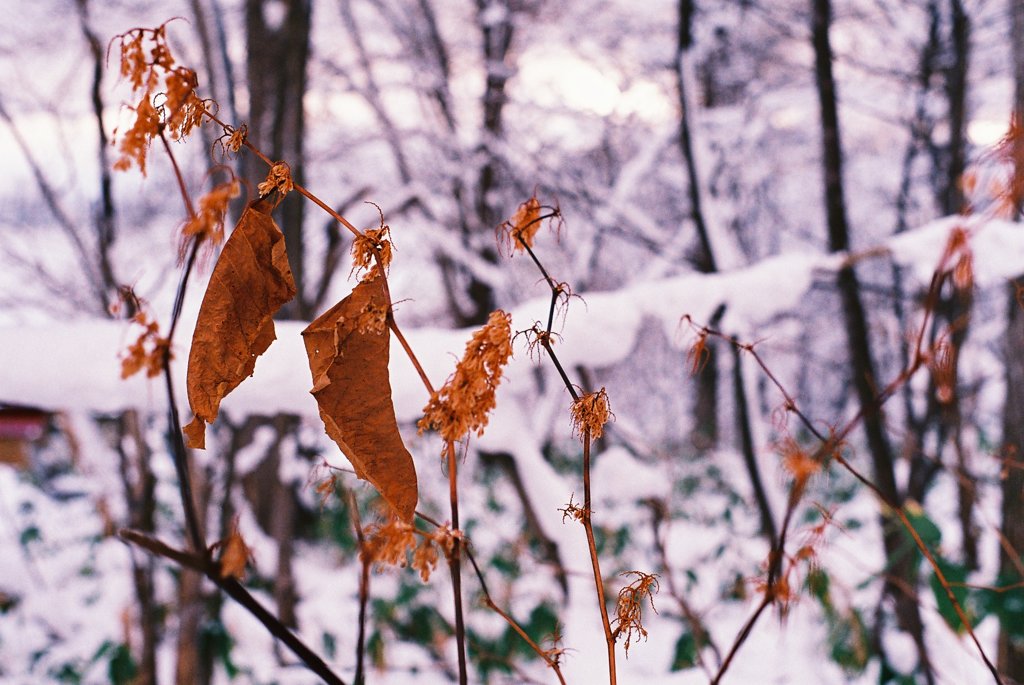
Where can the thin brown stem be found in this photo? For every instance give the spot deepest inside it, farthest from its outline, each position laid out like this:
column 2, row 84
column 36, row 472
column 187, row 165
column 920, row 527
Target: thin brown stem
column 828, row 450
column 609, row 638
column 202, row 563
column 741, row 638
column 186, row 198
column 409, row 353
column 454, row 560
column 546, row 655
column 364, row 587
column 179, row 451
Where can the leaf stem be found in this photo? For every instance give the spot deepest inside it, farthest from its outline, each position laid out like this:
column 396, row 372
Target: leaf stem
column 454, row 560
column 588, row 526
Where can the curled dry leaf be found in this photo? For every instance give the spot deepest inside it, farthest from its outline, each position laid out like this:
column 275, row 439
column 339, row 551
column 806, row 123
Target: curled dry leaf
column 251, row 281
column 348, row 348
column 234, row 554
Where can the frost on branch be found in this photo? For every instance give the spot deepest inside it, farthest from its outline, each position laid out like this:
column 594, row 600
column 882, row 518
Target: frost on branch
column 348, row 350
column 251, row 281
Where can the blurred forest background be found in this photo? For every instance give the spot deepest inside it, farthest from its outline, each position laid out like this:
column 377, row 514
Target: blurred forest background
column 694, row 139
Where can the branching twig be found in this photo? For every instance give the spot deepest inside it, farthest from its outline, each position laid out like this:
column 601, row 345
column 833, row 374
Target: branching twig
column 548, row 656
column 544, row 338
column 364, row 586
column 202, row 563
column 828, row 450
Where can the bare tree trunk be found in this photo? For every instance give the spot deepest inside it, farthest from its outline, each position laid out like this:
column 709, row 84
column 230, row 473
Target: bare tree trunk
column 768, row 528
column 194, row 665
column 274, row 505
column 705, row 408
column 278, row 36
column 901, row 578
column 139, row 485
column 705, row 259
column 495, row 21
column 104, row 216
column 952, row 198
column 1011, row 563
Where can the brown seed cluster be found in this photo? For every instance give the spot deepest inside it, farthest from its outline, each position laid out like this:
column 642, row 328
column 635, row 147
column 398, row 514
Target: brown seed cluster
column 463, row 403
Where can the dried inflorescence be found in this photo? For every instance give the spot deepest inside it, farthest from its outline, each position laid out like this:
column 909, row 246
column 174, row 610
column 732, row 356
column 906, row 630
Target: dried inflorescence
column 958, row 260
column 785, row 590
column 463, row 403
column 798, row 462
column 629, row 606
column 537, row 336
column 146, row 61
column 942, row 363
column 147, row 352
column 208, row 222
column 698, row 356
column 388, row 544
column 573, row 511
column 366, row 247
column 590, row 413
column 519, row 231
column 279, row 178
column 236, row 137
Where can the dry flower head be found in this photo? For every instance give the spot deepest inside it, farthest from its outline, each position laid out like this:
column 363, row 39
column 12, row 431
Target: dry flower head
column 463, row 403
column 785, row 591
column 524, row 224
column 590, row 413
column 388, row 544
column 629, row 605
column 279, row 178
column 1009, row 154
column 942, row 363
column 538, row 336
column 147, row 352
column 698, row 356
column 146, row 61
column 208, row 223
column 573, row 511
column 798, row 462
column 367, row 246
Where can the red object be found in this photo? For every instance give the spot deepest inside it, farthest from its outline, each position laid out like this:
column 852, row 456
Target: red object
column 22, row 423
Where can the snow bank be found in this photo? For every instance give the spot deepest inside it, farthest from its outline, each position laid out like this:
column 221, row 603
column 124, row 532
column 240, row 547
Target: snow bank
column 75, row 365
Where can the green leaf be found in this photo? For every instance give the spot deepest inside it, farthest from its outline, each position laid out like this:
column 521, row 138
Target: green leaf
column 850, row 642
column 686, row 652
column 330, row 644
column 956, row 575
column 30, row 534
column 929, row 533
column 123, row 668
column 215, row 639
column 1006, row 601
column 818, row 585
column 375, row 649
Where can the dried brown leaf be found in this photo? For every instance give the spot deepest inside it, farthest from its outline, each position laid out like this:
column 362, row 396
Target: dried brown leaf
column 251, row 281
column 348, row 352
column 234, row 554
